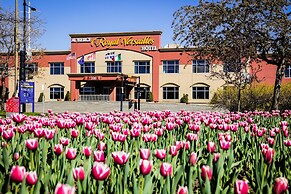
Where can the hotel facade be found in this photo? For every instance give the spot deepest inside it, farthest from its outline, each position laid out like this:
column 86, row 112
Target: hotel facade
column 103, row 66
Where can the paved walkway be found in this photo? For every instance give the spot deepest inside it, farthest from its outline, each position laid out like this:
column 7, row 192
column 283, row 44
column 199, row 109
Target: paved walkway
column 83, row 107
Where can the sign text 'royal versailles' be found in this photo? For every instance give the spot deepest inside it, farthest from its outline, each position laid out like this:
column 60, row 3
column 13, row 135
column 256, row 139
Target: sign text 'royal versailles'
column 129, row 41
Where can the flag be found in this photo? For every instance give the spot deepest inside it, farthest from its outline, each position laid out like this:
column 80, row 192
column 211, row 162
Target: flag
column 71, row 56
column 81, row 61
column 110, row 56
column 91, row 56
column 118, row 57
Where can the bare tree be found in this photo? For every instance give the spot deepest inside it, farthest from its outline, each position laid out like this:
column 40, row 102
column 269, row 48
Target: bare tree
column 237, row 33
column 8, row 47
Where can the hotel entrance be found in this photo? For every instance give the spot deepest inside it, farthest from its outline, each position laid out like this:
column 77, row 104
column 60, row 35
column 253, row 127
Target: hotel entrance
column 102, row 87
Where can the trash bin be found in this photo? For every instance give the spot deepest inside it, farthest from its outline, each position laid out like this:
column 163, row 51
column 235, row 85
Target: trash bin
column 12, row 105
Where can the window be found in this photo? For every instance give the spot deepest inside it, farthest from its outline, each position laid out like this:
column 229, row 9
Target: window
column 57, row 68
column 144, row 92
column 87, row 90
column 56, row 93
column 114, row 66
column 141, row 67
column 201, row 92
column 88, row 67
column 171, row 92
column 288, row 71
column 171, row 66
column 200, row 66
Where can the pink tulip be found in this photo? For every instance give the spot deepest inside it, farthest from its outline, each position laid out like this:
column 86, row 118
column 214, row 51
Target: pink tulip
column 79, row 173
column 173, row 150
column 31, row 144
column 225, row 145
column 101, row 145
column 87, row 151
column 193, row 158
column 192, row 136
column 206, row 172
column 99, row 156
column 64, row 189
column 211, row 147
column 18, row 118
column 160, row 154
column 216, row 157
column 145, row 153
column 182, row 190
column 100, row 171
column 120, row 157
column 58, row 149
column 64, row 141
column 17, row 174
column 31, row 178
column 74, row 133
column 7, row 134
column 281, row 185
column 166, row 169
column 269, row 155
column 241, row 187
column 38, row 132
column 71, row 153
column 16, row 156
column 49, row 134
column 145, row 166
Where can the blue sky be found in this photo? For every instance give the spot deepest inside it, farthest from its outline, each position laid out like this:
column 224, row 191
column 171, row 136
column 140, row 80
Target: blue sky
column 64, row 17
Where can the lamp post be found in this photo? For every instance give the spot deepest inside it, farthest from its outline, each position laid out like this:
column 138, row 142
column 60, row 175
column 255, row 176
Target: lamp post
column 22, row 73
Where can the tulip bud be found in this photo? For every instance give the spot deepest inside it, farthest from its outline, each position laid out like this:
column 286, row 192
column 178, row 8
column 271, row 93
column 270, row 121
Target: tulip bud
column 16, row 156
column 145, row 166
column 281, row 185
column 160, row 154
column 216, row 157
column 166, row 169
column 79, row 173
column 206, row 172
column 211, row 147
column 193, row 158
column 17, row 174
column 144, row 153
column 241, row 187
column 58, row 149
column 99, row 156
column 31, row 178
column 120, row 157
column 87, row 151
column 71, row 153
column 31, row 144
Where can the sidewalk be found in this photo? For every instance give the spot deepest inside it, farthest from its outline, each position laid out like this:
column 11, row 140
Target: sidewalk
column 83, row 107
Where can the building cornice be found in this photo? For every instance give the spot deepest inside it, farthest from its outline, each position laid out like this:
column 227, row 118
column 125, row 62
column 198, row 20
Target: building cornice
column 106, row 34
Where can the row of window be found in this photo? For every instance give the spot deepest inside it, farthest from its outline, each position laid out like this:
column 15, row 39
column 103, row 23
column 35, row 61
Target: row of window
column 143, row 67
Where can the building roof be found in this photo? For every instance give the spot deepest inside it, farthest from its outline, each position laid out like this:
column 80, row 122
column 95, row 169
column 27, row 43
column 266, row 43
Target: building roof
column 115, row 34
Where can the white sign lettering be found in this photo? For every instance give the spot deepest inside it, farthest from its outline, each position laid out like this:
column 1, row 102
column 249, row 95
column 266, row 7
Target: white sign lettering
column 148, row 48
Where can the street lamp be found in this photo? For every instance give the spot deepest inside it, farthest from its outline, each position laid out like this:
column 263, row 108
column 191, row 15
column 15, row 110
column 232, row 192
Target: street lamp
column 22, row 73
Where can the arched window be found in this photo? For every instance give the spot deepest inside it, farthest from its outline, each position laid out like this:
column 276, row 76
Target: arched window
column 200, row 91
column 56, row 92
column 170, row 91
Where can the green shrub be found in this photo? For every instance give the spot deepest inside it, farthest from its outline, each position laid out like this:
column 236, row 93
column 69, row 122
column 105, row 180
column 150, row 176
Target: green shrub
column 68, row 96
column 40, row 98
column 184, row 98
column 151, row 98
column 255, row 98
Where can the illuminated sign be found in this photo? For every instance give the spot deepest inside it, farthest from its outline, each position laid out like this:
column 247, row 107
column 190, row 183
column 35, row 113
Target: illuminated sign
column 129, row 41
column 81, row 40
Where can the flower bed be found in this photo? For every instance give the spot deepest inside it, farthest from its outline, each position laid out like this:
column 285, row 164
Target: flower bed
column 146, row 152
